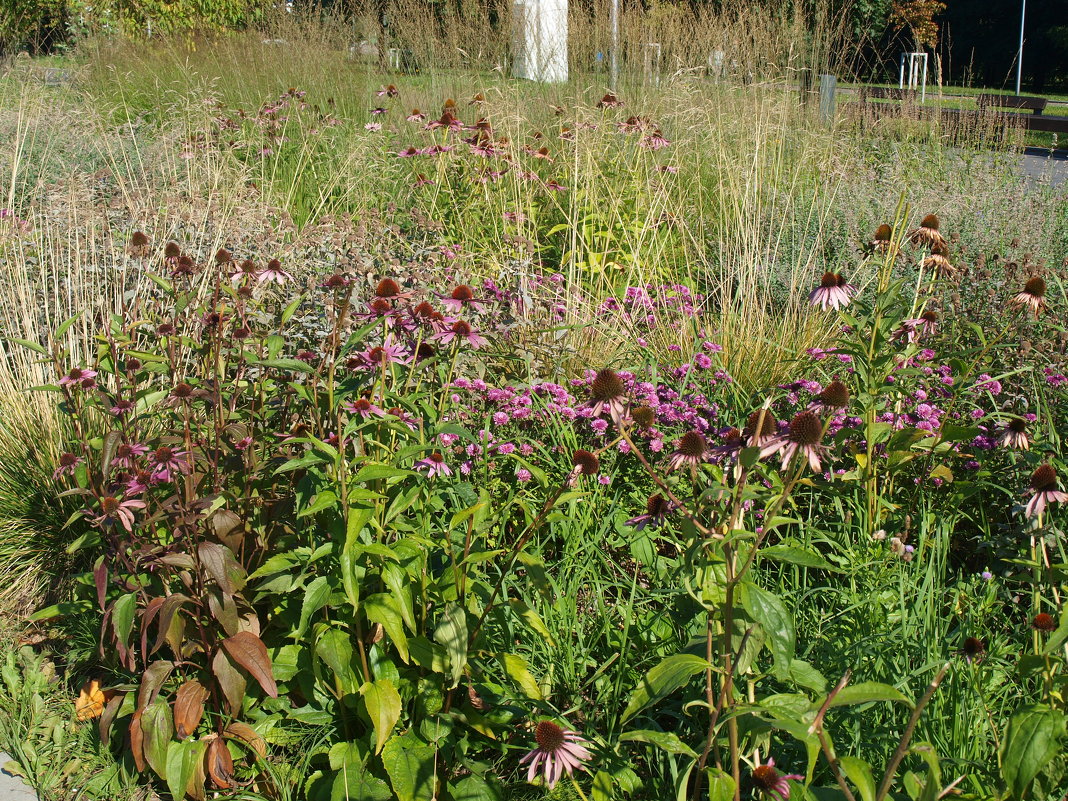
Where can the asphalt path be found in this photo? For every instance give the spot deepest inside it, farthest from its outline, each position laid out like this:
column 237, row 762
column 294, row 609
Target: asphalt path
column 1045, row 168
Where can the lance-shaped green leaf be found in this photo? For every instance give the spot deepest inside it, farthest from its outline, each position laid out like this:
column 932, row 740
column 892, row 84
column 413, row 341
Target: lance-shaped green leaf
column 671, row 674
column 768, row 610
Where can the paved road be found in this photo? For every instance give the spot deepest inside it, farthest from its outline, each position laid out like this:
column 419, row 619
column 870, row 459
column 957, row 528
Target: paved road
column 1045, row 168
column 12, row 788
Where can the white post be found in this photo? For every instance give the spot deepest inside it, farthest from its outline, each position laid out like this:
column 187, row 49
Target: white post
column 1019, row 54
column 901, row 70
column 613, row 62
column 540, row 40
column 923, row 91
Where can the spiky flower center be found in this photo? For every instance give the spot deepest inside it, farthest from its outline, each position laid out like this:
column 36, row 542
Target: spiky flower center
column 765, row 777
column 1044, row 478
column 693, row 444
column 274, row 265
column 463, row 293
column 387, row 288
column 362, row 405
column 930, row 316
column 437, row 458
column 123, row 451
column 973, row 646
column 163, row 454
column 1017, row 426
column 805, row 429
column 550, row 737
column 1043, row 622
column 765, row 420
column 930, row 221
column 835, row 394
column 657, row 505
column 644, row 416
column 380, row 306
column 1036, row 287
column 138, row 239
column 424, row 351
column 378, row 355
column 423, row 310
column 172, row 251
column 882, row 233
column 68, row 460
column 829, row 280
column 109, row 505
column 588, row 462
column 841, row 280
column 222, row 256
column 182, row 390
column 607, row 385
column 461, row 329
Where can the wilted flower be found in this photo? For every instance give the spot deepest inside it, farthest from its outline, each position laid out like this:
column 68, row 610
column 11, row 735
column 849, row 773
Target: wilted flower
column 68, row 462
column 882, row 242
column 139, row 245
column 1044, row 490
column 113, row 510
column 643, row 416
column 434, row 464
column 1033, row 296
column 609, row 101
column 1014, row 435
column 657, row 508
column 691, row 451
column 583, row 463
column 772, row 783
column 834, row 292
column 912, row 329
column 559, row 750
column 608, row 391
column 803, row 436
column 927, row 234
column 1043, row 622
column 938, row 261
column 122, row 407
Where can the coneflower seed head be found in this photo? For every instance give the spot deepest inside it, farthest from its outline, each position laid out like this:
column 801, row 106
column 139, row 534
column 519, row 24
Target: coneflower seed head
column 657, row 505
column 883, row 233
column 829, row 280
column 172, row 251
column 139, row 239
column 463, row 292
column 549, row 736
column 1044, row 478
column 973, row 646
column 693, row 443
column 768, row 424
column 930, row 221
column 1036, row 287
column 765, row 777
column 835, row 394
column 588, row 462
column 1043, row 622
column 643, row 416
column 1017, row 425
column 805, row 429
column 387, row 288
column 607, row 385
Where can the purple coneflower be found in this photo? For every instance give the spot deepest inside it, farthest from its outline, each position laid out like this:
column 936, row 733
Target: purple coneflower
column 364, row 408
column 121, row 407
column 378, row 356
column 803, row 436
column 416, row 116
column 434, row 464
column 112, row 510
column 657, row 508
column 1033, row 296
column 583, row 463
column 462, row 331
column 389, row 91
column 833, row 397
column 559, row 750
column 166, row 462
column 834, row 292
column 404, row 416
column 927, row 234
column 461, row 297
column 691, row 451
column 760, row 428
column 1014, row 435
column 772, row 783
column 127, row 454
column 246, row 270
column 1044, row 490
column 68, row 462
column 973, row 649
column 78, row 376
column 273, row 273
column 913, row 329
column 608, row 392
column 609, row 101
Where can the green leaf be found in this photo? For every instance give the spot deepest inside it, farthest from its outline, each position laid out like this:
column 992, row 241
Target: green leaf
column 671, row 674
column 532, row 619
column 795, row 556
column 122, row 616
column 1032, row 739
column 335, row 650
column 452, row 634
column 324, row 500
column 157, row 727
column 720, row 785
column 354, row 782
column 475, row 788
column 34, row 346
column 768, row 610
column 867, row 692
column 384, row 609
column 664, row 740
column 294, row 365
column 858, row 772
column 410, row 765
column 803, row 674
column 602, row 786
column 182, row 760
column 383, row 704
column 64, row 327
column 374, row 472
column 518, row 671
column 315, row 597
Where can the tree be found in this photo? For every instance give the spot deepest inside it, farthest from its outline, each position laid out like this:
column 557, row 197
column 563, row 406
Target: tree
column 918, row 16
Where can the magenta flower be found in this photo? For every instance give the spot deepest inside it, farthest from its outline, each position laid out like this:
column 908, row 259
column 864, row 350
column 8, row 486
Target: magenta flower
column 834, row 292
column 463, row 331
column 378, row 356
column 273, row 273
column 122, row 407
column 246, row 270
column 113, row 510
column 79, row 376
column 434, row 464
column 68, row 462
column 127, row 453
column 167, row 462
column 364, row 408
column 772, row 783
column 416, row 116
column 1044, row 491
column 1014, row 435
column 559, row 750
column 657, row 508
column 691, row 451
column 802, row 437
column 460, row 298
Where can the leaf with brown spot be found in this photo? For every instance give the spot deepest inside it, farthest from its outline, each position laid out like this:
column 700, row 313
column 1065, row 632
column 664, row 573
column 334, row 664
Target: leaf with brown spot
column 246, row 734
column 230, row 681
column 249, row 651
column 188, row 708
column 220, row 764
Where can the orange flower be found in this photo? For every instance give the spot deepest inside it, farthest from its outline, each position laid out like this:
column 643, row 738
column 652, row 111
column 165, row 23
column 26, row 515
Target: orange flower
column 91, row 700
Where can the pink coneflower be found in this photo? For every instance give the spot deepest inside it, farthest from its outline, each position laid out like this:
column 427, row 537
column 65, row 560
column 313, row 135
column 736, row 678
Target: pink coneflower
column 121, row 407
column 373, row 358
column 772, row 783
column 609, row 101
column 657, row 508
column 435, row 465
column 1014, row 435
column 462, row 331
column 559, row 750
column 608, row 392
column 113, row 510
column 364, row 408
column 834, row 292
column 654, row 141
column 416, row 116
column 913, row 329
column 378, row 111
column 246, row 270
column 336, row 281
column 273, row 273
column 833, row 397
column 127, row 454
column 422, row 180
column 447, row 120
column 166, row 462
column 461, row 297
column 373, row 126
column 388, row 91
column 691, row 451
column 555, row 186
column 1044, row 491
column 1033, row 296
column 140, row 481
column 78, row 376
column 760, row 428
column 405, row 417
column 583, row 463
column 927, row 234
column 802, row 437
column 68, row 462
column 391, row 290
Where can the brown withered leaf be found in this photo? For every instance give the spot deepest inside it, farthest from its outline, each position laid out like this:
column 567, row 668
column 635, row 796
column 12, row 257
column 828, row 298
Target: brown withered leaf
column 228, row 528
column 188, row 708
column 246, row 734
column 90, row 702
column 230, row 680
column 248, row 650
column 152, row 680
column 137, row 742
column 220, row 765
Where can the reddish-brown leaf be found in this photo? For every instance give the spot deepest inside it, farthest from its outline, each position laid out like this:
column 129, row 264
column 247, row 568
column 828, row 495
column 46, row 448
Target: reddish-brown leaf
column 219, row 564
column 220, row 764
column 137, row 740
column 247, row 735
column 230, row 681
column 188, row 708
column 167, row 611
column 249, row 651
column 111, row 711
column 152, row 680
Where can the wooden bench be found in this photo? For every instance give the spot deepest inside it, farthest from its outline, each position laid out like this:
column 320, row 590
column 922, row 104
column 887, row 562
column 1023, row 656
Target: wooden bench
column 885, row 93
column 1036, row 104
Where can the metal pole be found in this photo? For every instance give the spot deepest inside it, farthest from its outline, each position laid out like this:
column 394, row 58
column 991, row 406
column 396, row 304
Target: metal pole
column 613, row 62
column 1019, row 54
